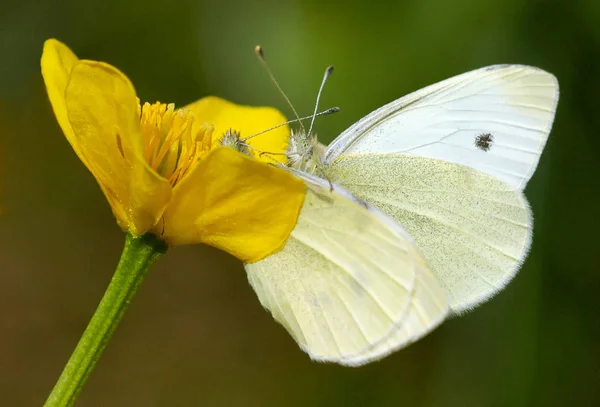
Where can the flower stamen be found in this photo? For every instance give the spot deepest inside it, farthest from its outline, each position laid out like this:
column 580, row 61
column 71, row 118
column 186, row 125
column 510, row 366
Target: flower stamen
column 172, row 144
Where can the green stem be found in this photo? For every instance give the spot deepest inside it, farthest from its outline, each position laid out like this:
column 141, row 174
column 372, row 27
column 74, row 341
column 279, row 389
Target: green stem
column 139, row 253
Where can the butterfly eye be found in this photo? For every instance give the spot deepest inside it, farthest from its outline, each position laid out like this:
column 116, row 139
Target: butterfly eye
column 484, row 141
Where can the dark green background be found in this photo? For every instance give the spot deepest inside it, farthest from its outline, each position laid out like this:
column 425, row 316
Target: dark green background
column 196, row 334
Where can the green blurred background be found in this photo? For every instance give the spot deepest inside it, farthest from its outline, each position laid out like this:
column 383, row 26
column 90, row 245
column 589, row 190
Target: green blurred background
column 196, row 334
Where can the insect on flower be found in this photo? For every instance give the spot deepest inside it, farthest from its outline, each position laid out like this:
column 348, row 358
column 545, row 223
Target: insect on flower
column 163, row 169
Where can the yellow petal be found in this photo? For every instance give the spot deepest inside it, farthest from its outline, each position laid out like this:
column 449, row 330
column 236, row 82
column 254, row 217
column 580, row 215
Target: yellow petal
column 247, row 120
column 235, row 203
column 57, row 62
column 102, row 109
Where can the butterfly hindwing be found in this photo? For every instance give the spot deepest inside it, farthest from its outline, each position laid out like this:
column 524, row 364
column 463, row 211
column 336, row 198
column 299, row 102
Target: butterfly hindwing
column 473, row 230
column 349, row 285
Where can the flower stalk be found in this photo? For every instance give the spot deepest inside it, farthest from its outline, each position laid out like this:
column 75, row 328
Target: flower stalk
column 139, row 254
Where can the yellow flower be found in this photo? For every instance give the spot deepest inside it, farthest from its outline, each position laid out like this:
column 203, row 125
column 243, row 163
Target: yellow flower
column 163, row 170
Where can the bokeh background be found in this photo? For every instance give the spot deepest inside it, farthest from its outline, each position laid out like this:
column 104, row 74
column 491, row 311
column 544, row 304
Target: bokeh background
column 196, row 334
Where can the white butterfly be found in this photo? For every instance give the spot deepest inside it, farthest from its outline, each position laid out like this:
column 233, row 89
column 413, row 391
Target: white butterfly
column 448, row 163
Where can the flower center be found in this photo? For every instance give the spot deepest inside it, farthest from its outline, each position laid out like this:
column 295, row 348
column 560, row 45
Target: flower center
column 172, row 143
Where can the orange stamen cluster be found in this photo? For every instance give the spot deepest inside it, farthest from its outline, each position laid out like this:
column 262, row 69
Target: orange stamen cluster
column 172, row 143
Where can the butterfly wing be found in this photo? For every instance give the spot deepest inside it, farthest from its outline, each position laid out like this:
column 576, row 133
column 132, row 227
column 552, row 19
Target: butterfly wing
column 349, row 284
column 473, row 230
column 513, row 104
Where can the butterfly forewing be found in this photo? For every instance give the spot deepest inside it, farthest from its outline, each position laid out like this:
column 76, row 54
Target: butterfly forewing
column 513, row 105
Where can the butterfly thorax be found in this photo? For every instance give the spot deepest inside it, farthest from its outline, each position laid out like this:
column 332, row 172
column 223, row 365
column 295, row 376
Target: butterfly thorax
column 305, row 153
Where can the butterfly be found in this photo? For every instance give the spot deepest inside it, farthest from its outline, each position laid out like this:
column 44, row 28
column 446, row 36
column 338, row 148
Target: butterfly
column 413, row 213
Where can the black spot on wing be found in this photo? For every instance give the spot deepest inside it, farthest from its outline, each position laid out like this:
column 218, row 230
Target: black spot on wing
column 484, row 141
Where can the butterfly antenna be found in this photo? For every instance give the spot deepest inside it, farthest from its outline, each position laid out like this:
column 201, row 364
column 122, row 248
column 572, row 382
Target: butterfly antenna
column 261, row 56
column 328, row 72
column 323, row 113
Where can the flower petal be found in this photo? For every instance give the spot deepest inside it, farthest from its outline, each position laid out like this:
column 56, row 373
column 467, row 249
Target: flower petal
column 235, row 203
column 247, row 120
column 103, row 112
column 57, row 62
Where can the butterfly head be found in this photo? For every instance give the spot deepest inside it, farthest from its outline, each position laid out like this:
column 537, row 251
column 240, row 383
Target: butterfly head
column 304, row 152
